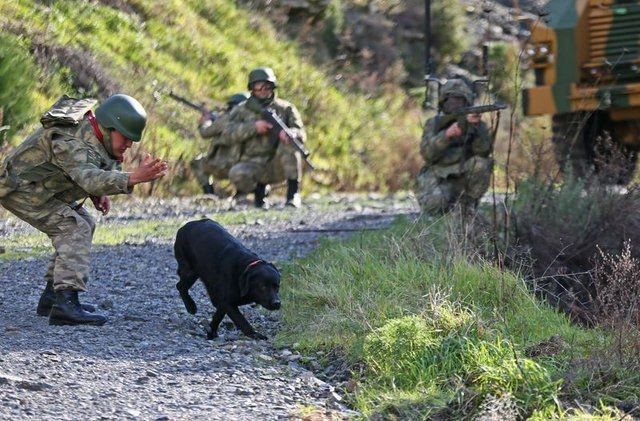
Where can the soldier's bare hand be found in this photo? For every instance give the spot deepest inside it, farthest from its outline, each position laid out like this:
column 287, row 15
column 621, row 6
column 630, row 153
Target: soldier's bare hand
column 283, row 137
column 263, row 126
column 204, row 117
column 473, row 118
column 453, row 131
column 150, row 169
column 101, row 203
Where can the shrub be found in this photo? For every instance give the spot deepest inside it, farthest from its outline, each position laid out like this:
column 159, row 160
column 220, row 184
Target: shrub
column 562, row 227
column 17, row 82
column 448, row 28
column 504, row 71
column 494, row 368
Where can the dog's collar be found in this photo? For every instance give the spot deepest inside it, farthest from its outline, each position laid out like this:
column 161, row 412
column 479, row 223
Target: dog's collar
column 255, row 262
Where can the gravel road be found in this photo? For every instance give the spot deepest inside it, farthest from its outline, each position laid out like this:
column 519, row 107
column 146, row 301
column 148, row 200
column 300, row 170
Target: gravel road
column 151, row 360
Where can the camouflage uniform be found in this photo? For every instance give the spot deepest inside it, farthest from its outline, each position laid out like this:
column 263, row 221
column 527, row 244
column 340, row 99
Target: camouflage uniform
column 260, row 160
column 456, row 170
column 222, row 154
column 42, row 181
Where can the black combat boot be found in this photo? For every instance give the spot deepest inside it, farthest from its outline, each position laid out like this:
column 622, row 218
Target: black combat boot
column 293, row 197
column 260, row 193
column 48, row 298
column 207, row 188
column 67, row 311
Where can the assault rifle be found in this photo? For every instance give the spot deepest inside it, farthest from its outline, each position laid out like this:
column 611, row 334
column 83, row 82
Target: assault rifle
column 460, row 115
column 269, row 114
column 212, row 114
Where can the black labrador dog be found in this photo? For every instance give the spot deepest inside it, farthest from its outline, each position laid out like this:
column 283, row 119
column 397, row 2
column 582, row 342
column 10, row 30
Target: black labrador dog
column 232, row 274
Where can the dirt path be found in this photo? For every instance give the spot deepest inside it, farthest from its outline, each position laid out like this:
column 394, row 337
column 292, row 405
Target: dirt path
column 151, row 360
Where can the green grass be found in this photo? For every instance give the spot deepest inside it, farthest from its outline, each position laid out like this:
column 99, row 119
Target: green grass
column 204, row 50
column 437, row 330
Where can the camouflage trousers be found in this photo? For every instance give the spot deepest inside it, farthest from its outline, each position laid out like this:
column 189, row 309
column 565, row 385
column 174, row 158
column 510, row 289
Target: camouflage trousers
column 285, row 165
column 438, row 193
column 71, row 233
column 205, row 167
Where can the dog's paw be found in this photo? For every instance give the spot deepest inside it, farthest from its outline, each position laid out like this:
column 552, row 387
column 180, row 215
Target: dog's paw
column 257, row 336
column 212, row 335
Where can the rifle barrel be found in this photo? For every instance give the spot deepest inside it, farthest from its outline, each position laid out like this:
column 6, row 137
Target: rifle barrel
column 186, row 102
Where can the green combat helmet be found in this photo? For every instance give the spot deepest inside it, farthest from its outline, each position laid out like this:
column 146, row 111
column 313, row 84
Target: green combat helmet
column 124, row 114
column 262, row 74
column 236, row 99
column 456, row 88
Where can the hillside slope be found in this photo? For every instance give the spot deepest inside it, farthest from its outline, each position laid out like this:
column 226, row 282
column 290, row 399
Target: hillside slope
column 201, row 49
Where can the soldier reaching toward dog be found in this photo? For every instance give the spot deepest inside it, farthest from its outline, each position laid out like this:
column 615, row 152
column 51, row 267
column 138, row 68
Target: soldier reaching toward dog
column 75, row 155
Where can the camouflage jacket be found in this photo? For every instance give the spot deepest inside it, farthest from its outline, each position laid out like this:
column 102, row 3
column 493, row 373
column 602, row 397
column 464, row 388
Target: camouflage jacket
column 255, row 147
column 66, row 163
column 446, row 156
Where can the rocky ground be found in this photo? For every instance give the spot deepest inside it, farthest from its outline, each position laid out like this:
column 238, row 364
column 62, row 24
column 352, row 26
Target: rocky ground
column 151, row 360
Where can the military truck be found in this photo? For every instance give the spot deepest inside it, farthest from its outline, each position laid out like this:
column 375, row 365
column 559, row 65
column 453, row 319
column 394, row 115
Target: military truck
column 585, row 56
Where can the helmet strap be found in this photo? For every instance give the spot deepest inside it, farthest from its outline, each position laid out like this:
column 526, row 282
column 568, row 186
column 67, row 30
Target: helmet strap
column 104, row 140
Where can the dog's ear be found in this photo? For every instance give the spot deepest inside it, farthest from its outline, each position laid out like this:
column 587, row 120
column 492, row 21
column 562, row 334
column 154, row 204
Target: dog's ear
column 275, row 269
column 245, row 284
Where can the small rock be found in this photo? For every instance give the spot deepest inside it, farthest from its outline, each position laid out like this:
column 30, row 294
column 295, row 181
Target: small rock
column 264, row 357
column 335, row 397
column 133, row 412
column 106, row 304
column 285, row 352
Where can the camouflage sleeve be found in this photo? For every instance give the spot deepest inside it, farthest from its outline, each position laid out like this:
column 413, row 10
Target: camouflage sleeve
column 238, row 129
column 215, row 130
column 294, row 122
column 208, row 129
column 483, row 141
column 82, row 164
column 433, row 144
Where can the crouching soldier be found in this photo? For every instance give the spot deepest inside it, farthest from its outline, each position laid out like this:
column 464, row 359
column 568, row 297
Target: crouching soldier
column 457, row 157
column 222, row 154
column 75, row 155
column 263, row 161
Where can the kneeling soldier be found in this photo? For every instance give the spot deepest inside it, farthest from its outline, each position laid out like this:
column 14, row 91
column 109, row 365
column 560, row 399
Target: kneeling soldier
column 263, row 161
column 222, row 154
column 75, row 155
column 458, row 162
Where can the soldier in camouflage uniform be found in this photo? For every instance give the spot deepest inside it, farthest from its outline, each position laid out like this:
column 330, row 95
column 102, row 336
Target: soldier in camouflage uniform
column 75, row 155
column 262, row 161
column 222, row 154
column 458, row 162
